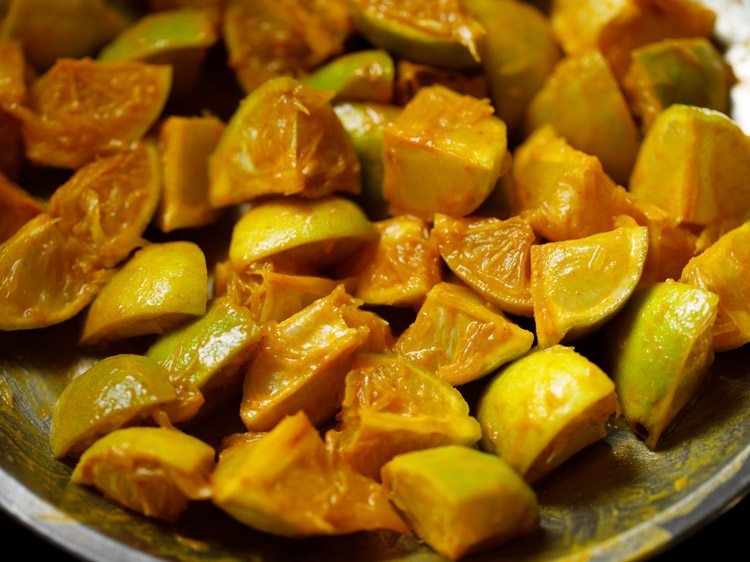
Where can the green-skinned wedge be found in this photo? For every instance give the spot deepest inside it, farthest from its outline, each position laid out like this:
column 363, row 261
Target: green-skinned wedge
column 160, row 287
column 114, row 392
column 362, row 76
column 365, row 123
column 519, row 53
column 583, row 102
column 661, row 350
column 177, row 37
column 438, row 32
column 460, row 500
column 686, row 71
column 543, row 408
column 206, row 354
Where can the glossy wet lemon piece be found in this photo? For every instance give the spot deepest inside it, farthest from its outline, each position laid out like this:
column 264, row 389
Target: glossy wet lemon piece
column 161, row 286
column 686, row 71
column 107, row 204
column 206, row 355
column 584, row 103
column 577, row 285
column 360, row 76
column 310, row 234
column 301, row 362
column 391, row 407
column 179, row 38
column 115, row 392
column 617, row 27
column 438, row 32
column 284, row 139
column 81, row 108
column 554, row 184
column 365, row 124
column 459, row 500
column 693, row 164
column 518, row 54
column 660, row 350
column 460, row 338
column 41, row 280
column 287, row 483
column 152, row 470
column 723, row 269
column 443, row 154
column 399, row 268
column 185, row 143
column 17, row 207
column 271, row 38
column 545, row 407
column 50, row 29
column 491, row 256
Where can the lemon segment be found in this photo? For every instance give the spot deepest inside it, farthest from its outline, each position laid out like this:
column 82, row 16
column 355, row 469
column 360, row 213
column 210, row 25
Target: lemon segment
column 151, row 470
column 161, row 286
column 115, row 392
column 391, row 407
column 459, row 500
column 443, row 154
column 438, row 32
column 314, row 233
column 460, row 338
column 660, row 352
column 286, row 483
column 543, row 408
column 284, row 139
column 578, row 285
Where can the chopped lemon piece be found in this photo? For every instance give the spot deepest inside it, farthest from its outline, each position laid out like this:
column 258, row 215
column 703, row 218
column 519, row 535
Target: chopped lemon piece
column 392, row 407
column 584, row 103
column 271, row 38
column 287, row 483
column 545, row 407
column 152, row 470
column 82, row 108
column 301, row 362
column 491, row 256
column 459, row 500
column 161, row 286
column 399, row 268
column 311, row 234
column 660, row 351
column 723, row 269
column 284, row 139
column 437, row 32
column 185, row 144
column 693, row 164
column 443, row 154
column 460, row 338
column 115, row 392
column 578, row 285
column 554, row 184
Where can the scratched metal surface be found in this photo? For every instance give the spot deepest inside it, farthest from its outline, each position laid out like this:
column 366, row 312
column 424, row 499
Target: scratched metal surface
column 615, row 501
